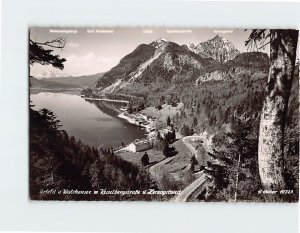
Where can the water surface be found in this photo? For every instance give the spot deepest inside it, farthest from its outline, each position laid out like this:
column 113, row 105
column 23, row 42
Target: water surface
column 93, row 122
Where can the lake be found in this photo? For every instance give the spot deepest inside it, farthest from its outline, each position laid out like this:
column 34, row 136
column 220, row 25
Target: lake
column 93, row 122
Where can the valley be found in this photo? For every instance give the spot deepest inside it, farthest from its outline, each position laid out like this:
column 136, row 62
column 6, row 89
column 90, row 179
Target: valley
column 169, row 116
column 199, row 93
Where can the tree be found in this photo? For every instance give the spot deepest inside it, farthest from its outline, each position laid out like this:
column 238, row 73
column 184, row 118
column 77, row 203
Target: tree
column 193, row 162
column 283, row 44
column 168, row 121
column 166, row 150
column 145, row 159
column 173, row 135
column 129, row 109
column 159, row 107
column 185, row 130
column 195, row 122
column 38, row 53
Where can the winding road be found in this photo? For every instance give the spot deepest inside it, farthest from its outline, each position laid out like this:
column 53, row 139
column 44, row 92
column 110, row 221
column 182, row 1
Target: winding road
column 199, row 185
column 192, row 149
column 193, row 190
column 196, row 187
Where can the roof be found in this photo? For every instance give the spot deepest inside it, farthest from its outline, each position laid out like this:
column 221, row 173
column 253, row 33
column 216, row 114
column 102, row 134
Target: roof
column 142, row 141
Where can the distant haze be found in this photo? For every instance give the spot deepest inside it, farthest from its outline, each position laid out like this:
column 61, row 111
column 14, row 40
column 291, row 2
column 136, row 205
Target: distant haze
column 94, row 50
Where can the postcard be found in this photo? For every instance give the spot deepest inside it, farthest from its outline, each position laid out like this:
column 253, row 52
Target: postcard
column 163, row 114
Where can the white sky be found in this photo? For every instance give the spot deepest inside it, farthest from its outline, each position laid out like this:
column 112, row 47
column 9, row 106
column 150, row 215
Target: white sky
column 89, row 51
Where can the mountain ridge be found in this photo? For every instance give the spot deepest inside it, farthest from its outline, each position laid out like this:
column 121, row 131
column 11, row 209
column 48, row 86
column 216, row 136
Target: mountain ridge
column 161, row 63
column 84, row 81
column 218, row 48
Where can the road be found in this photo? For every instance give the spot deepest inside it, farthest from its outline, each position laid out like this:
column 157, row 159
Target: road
column 108, row 100
column 157, row 172
column 192, row 149
column 198, row 185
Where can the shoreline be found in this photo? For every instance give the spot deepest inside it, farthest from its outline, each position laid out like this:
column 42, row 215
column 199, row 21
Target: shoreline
column 104, row 99
column 135, row 119
column 130, row 118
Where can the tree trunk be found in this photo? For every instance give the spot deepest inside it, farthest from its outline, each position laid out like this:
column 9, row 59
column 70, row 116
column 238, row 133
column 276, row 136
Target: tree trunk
column 283, row 45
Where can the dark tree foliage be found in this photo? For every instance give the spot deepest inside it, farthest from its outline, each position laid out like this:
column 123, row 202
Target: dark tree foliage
column 228, row 147
column 186, row 130
column 166, row 150
column 58, row 161
column 193, row 162
column 170, row 137
column 145, row 159
column 168, row 121
column 169, row 151
column 258, row 39
column 39, row 53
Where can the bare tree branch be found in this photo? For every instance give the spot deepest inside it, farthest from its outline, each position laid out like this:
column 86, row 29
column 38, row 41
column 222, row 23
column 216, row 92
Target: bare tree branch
column 39, row 54
column 58, row 43
column 257, row 38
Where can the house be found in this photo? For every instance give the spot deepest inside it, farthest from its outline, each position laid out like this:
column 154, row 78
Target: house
column 163, row 132
column 140, row 145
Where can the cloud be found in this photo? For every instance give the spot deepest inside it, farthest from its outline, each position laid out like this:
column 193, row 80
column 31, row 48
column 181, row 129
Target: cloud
column 89, row 63
column 47, row 71
column 86, row 64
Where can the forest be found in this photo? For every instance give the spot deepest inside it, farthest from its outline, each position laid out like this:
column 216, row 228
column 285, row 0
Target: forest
column 249, row 105
column 60, row 162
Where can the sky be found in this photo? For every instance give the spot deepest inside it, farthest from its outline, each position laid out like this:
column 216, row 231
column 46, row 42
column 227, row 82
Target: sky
column 94, row 50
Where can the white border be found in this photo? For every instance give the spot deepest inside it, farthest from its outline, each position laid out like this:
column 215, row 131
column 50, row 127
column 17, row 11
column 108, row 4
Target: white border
column 18, row 213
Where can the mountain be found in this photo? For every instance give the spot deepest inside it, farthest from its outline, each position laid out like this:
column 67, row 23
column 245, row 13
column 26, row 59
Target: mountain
column 244, row 64
column 162, row 67
column 151, row 67
column 213, row 94
column 47, row 84
column 84, row 81
column 218, row 48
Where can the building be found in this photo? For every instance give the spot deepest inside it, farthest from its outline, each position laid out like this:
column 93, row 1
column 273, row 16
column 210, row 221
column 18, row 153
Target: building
column 163, row 132
column 140, row 145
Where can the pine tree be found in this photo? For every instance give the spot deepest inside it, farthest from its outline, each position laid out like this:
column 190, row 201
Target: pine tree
column 283, row 44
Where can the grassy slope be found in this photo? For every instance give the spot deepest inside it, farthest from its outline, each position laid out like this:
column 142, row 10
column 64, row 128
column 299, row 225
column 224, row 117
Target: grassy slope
column 181, row 159
column 135, row 157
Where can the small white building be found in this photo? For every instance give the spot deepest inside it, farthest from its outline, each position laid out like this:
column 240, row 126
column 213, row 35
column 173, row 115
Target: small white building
column 139, row 145
column 163, row 132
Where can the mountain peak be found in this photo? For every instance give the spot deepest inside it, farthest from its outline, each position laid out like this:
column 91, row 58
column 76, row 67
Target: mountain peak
column 191, row 45
column 218, row 37
column 218, row 48
column 159, row 42
column 162, row 40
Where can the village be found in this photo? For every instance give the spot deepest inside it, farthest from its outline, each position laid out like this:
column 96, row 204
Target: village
column 150, row 125
column 162, row 141
column 170, row 157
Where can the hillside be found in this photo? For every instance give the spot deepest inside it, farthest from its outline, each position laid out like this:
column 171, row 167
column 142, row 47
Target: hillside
column 214, row 94
column 48, row 84
column 84, row 81
column 58, row 161
column 163, row 71
column 151, row 67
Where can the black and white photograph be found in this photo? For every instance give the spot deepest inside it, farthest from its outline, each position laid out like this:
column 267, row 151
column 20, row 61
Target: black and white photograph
column 167, row 114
